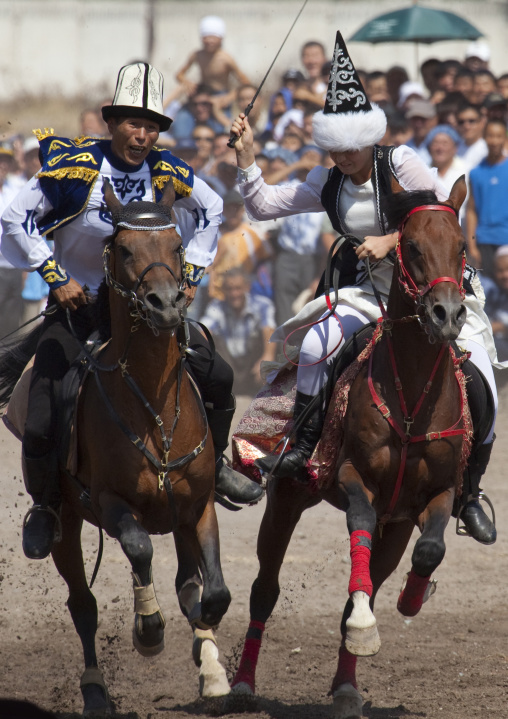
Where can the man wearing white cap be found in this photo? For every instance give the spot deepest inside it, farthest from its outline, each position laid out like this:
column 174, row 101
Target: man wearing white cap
column 216, row 66
column 65, row 199
column 477, row 56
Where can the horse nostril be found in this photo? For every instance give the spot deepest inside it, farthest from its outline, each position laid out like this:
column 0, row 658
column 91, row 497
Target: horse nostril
column 179, row 297
column 153, row 300
column 439, row 313
column 461, row 315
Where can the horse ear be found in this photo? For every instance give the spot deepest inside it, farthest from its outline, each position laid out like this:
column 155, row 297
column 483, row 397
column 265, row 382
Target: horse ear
column 168, row 196
column 111, row 199
column 458, row 194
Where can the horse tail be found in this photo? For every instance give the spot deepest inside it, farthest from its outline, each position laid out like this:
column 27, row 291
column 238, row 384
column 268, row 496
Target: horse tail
column 15, row 354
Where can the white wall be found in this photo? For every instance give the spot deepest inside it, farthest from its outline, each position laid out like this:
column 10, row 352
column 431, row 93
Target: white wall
column 76, row 47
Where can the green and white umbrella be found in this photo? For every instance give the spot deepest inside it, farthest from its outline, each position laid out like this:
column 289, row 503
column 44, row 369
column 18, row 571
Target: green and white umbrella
column 416, row 24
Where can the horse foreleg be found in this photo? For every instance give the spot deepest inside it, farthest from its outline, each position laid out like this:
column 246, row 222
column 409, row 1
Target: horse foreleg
column 362, row 638
column 119, row 521
column 427, row 555
column 285, row 503
column 68, row 559
column 387, row 550
column 199, row 556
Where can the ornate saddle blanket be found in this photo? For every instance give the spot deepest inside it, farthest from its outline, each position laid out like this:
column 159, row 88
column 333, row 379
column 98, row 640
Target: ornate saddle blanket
column 270, row 417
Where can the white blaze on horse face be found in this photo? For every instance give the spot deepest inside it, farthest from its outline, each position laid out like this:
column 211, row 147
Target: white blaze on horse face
column 362, row 638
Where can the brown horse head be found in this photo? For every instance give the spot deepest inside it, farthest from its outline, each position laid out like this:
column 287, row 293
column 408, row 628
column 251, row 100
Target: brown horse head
column 146, row 257
column 430, row 259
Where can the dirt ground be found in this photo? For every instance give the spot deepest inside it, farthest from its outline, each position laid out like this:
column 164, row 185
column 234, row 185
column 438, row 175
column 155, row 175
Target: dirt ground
column 450, row 662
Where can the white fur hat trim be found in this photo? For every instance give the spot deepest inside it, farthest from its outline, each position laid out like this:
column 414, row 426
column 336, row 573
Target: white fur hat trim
column 343, row 131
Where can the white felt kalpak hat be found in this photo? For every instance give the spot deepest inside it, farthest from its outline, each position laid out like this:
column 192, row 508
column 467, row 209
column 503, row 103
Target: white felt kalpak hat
column 348, row 120
column 139, row 91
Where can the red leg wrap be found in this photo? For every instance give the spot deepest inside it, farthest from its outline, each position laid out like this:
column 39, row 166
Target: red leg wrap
column 247, row 669
column 360, row 560
column 346, row 670
column 411, row 598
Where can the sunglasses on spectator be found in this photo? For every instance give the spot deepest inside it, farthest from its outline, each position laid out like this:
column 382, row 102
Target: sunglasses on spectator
column 203, row 103
column 468, row 121
column 203, row 137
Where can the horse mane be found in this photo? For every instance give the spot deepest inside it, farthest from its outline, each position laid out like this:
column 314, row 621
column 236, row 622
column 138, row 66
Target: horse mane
column 400, row 203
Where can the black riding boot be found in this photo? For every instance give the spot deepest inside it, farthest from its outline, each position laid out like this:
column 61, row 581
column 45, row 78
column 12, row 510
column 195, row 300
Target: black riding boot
column 293, row 463
column 229, row 483
column 41, row 481
column 477, row 523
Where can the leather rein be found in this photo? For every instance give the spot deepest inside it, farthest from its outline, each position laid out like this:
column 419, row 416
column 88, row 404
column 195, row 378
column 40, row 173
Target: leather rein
column 386, row 324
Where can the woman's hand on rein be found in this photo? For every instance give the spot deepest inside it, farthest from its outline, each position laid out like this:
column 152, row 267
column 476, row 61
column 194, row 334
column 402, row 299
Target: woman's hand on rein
column 376, row 248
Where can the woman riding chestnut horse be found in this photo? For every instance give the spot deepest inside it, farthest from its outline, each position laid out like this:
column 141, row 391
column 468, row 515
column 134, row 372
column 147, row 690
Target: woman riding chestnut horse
column 356, row 194
column 406, row 432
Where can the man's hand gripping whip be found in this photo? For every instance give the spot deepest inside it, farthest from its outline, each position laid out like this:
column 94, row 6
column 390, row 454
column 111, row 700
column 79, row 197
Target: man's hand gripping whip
column 233, row 138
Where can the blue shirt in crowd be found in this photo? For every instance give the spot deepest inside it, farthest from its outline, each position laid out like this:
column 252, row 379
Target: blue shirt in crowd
column 235, row 329
column 489, row 185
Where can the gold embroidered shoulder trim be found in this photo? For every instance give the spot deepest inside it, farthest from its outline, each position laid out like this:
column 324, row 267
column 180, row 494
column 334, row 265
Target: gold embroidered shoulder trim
column 42, row 134
column 160, row 180
column 162, row 165
column 72, row 173
column 81, row 140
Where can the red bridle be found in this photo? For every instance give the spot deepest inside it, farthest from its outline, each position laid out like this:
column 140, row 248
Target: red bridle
column 405, row 434
column 405, row 279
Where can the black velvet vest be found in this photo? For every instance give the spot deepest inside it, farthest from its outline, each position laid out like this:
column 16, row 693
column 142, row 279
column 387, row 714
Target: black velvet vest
column 382, row 174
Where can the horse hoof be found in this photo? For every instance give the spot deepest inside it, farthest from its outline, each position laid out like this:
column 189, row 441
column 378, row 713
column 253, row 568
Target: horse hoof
column 241, row 699
column 95, row 694
column 146, row 651
column 242, row 688
column 347, row 703
column 213, row 682
column 141, row 635
column 363, row 642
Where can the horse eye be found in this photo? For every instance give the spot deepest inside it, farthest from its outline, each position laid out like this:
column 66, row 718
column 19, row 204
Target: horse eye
column 414, row 252
column 124, row 252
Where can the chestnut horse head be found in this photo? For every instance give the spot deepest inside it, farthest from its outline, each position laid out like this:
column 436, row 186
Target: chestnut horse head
column 144, row 258
column 430, row 260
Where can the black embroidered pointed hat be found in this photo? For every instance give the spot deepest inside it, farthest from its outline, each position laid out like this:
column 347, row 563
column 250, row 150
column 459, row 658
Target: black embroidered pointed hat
column 139, row 91
column 348, row 121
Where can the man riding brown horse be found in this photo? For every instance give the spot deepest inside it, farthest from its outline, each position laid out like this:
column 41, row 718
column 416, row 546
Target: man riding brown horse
column 64, row 201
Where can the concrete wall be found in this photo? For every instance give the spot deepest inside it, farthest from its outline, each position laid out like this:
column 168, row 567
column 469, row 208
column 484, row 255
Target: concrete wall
column 73, row 47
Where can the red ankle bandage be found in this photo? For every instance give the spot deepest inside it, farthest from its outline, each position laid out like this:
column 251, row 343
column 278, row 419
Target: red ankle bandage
column 247, row 670
column 360, row 560
column 346, row 670
column 411, row 598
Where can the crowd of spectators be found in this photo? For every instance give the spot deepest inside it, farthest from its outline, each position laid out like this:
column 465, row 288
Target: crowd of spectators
column 455, row 119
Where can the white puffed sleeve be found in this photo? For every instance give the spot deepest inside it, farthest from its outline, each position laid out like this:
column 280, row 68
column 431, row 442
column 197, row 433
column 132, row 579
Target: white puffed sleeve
column 199, row 217
column 413, row 173
column 267, row 202
column 21, row 243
